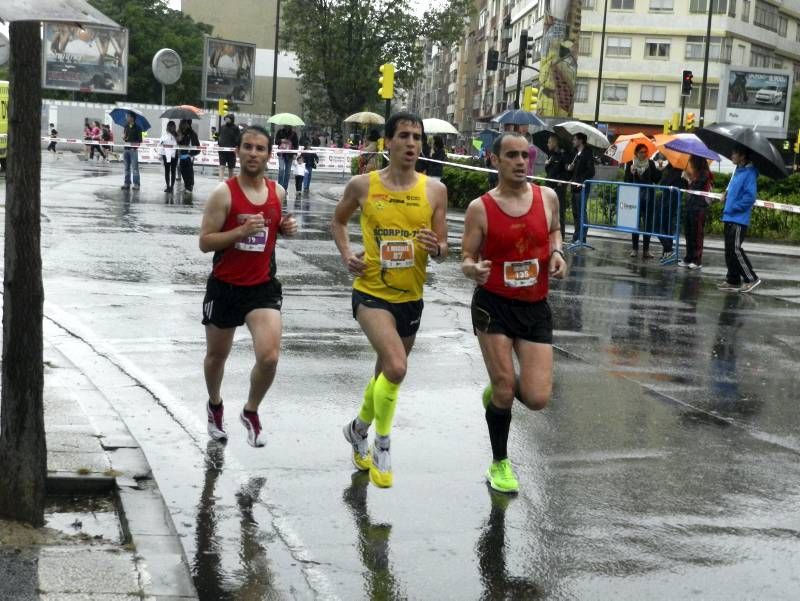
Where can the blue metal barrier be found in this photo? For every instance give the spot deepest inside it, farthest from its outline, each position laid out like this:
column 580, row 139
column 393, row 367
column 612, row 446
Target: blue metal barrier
column 632, row 208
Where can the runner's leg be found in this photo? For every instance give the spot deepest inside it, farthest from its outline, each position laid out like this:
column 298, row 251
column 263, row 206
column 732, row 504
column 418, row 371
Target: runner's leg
column 218, row 347
column 265, row 328
column 535, row 373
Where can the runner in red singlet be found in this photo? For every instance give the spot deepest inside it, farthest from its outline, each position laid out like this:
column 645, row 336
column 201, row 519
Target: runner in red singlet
column 511, row 246
column 241, row 222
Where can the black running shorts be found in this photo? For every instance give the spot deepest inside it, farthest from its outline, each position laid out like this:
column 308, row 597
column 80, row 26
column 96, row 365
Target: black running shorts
column 227, row 158
column 493, row 314
column 407, row 316
column 226, row 305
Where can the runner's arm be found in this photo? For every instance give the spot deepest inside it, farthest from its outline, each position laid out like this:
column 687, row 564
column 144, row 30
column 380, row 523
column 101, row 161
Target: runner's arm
column 558, row 266
column 435, row 239
column 472, row 241
column 214, row 216
column 355, row 190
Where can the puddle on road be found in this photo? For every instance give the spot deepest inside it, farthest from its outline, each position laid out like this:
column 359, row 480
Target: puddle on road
column 86, row 517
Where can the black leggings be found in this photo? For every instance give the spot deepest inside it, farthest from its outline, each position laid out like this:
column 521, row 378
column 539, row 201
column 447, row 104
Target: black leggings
column 98, row 148
column 187, row 173
column 169, row 170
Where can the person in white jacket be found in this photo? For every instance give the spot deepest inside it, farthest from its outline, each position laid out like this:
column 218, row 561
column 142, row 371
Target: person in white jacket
column 299, row 172
column 169, row 155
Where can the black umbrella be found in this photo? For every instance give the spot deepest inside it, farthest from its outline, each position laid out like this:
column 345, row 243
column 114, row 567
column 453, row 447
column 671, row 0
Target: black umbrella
column 725, row 137
column 541, row 137
column 519, row 117
column 180, row 112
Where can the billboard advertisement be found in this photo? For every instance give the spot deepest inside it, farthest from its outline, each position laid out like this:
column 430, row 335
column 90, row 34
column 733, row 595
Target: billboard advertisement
column 757, row 97
column 85, row 58
column 229, row 70
column 559, row 63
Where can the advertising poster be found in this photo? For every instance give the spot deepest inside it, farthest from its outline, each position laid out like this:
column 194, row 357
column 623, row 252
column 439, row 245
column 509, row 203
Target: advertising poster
column 85, row 58
column 759, row 98
column 559, row 63
column 229, row 70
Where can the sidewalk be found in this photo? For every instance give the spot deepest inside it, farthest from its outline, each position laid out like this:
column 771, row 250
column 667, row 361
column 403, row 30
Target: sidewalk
column 108, row 533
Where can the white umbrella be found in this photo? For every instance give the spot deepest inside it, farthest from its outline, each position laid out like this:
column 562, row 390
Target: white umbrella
column 594, row 137
column 438, row 126
column 365, row 118
column 286, row 119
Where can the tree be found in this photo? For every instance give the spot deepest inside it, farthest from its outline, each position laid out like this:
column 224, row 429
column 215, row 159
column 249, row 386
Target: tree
column 23, row 452
column 152, row 25
column 341, row 43
column 794, row 111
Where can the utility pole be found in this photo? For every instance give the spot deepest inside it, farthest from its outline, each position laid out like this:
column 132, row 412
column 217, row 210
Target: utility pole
column 704, row 85
column 523, row 50
column 600, row 70
column 273, row 106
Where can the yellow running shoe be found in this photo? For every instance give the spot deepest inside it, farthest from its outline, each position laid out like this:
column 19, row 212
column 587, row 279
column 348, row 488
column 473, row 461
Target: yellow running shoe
column 501, row 477
column 487, row 396
column 380, row 472
column 362, row 458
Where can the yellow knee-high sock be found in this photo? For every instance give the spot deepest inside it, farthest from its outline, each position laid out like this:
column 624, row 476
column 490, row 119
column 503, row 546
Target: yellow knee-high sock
column 367, row 412
column 385, row 397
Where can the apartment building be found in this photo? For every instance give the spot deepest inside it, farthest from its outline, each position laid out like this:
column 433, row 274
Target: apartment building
column 650, row 42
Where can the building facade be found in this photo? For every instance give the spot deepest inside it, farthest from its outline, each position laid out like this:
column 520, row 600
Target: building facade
column 253, row 22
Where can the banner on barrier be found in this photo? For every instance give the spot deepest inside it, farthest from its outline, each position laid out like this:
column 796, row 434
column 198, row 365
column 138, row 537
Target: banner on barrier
column 628, row 207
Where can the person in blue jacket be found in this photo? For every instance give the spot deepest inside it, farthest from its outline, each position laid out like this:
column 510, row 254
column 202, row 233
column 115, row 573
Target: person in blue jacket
column 739, row 199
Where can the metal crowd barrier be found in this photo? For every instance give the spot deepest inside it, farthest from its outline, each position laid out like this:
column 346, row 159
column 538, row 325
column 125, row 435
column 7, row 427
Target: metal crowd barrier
column 631, row 208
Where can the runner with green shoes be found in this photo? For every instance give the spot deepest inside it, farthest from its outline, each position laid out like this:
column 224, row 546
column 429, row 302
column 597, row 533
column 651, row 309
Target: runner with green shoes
column 511, row 246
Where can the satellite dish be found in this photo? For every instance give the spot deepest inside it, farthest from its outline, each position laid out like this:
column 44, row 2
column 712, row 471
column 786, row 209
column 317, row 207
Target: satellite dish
column 4, row 49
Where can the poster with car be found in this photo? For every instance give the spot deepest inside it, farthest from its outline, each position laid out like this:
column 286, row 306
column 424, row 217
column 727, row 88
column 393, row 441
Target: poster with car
column 229, row 70
column 85, row 58
column 758, row 97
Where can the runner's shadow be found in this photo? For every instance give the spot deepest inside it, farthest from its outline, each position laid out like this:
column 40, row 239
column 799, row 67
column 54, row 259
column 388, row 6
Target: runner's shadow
column 497, row 583
column 373, row 543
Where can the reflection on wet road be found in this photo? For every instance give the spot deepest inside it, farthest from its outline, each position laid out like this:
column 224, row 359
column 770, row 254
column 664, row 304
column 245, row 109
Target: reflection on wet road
column 666, row 466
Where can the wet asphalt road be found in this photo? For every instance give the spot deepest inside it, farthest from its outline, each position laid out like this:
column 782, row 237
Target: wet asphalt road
column 666, row 466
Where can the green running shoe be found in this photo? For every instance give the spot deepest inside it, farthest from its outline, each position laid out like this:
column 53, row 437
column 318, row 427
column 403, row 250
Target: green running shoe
column 501, row 477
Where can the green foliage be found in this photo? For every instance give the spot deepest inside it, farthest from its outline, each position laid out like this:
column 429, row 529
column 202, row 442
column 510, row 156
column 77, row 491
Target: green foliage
column 794, row 111
column 464, row 185
column 341, row 43
column 152, row 25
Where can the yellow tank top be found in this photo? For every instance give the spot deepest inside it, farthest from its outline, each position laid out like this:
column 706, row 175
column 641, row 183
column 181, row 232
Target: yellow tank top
column 390, row 220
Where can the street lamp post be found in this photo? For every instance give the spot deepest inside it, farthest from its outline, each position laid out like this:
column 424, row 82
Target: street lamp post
column 704, row 84
column 600, row 69
column 275, row 58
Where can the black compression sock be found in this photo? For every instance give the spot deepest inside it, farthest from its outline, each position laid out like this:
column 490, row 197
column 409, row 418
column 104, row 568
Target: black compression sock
column 499, row 422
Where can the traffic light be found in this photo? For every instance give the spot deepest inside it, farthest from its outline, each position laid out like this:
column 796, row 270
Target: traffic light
column 222, row 107
column 530, row 99
column 667, row 127
column 797, row 143
column 386, row 91
column 523, row 46
column 686, row 83
column 492, row 59
column 690, row 124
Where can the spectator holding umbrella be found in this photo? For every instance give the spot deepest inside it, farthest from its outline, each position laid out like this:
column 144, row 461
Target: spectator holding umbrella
column 700, row 179
column 642, row 170
column 555, row 167
column 132, row 134
column 187, row 137
column 739, row 199
column 169, row 155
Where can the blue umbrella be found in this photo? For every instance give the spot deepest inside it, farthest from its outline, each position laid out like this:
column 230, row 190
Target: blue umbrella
column 691, row 144
column 519, row 117
column 120, row 116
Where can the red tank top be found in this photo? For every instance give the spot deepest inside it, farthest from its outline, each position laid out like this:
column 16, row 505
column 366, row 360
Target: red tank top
column 249, row 261
column 519, row 249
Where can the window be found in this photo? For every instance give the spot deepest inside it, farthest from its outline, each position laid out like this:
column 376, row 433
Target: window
column 746, row 11
column 766, row 16
column 615, row 92
column 587, row 4
column 720, row 50
column 760, row 56
column 661, row 6
column 655, row 48
column 653, row 94
column 621, row 4
column 585, row 44
column 582, row 90
column 777, row 64
column 783, row 26
column 719, row 7
column 797, row 71
column 797, row 31
column 712, row 93
column 617, row 46
column 732, row 8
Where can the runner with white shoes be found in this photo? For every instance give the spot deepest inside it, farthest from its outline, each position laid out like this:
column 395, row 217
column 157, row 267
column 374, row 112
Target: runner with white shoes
column 241, row 222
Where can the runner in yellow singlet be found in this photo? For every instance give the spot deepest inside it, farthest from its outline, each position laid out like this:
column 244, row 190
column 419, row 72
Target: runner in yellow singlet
column 402, row 224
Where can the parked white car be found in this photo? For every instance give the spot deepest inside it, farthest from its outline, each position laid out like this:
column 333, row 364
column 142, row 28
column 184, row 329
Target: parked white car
column 769, row 95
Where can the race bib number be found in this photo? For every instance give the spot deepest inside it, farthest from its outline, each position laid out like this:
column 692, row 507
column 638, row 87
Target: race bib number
column 519, row 274
column 397, row 253
column 256, row 242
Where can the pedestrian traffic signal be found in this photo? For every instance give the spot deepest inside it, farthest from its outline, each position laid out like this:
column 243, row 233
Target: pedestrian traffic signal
column 530, row 99
column 492, row 59
column 386, row 91
column 222, row 107
column 686, row 85
column 690, row 124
